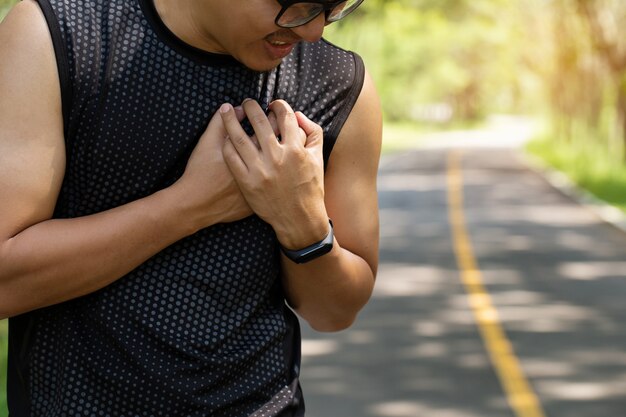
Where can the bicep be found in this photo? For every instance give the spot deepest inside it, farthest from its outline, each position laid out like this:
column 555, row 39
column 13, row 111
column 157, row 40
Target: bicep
column 32, row 152
column 351, row 196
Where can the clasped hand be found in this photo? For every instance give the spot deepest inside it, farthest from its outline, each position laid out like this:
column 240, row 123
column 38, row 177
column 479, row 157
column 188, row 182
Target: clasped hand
column 281, row 180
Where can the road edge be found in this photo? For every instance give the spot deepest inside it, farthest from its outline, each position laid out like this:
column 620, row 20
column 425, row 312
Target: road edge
column 561, row 182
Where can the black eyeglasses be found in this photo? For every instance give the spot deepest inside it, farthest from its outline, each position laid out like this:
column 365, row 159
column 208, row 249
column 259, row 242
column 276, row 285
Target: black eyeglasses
column 297, row 13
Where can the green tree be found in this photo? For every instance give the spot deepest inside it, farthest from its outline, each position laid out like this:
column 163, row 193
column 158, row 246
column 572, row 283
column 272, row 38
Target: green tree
column 420, row 52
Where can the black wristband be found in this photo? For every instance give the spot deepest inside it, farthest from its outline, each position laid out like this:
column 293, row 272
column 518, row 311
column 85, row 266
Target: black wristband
column 313, row 251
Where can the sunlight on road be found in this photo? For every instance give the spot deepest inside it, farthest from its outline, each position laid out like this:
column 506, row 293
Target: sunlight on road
column 554, row 271
column 414, row 409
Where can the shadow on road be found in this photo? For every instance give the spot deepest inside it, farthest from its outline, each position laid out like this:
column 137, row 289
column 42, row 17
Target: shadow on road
column 555, row 273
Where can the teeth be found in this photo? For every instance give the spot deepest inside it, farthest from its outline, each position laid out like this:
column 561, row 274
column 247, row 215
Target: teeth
column 279, row 43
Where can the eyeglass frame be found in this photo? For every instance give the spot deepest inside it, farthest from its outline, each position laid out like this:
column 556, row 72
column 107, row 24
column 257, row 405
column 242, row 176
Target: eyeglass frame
column 328, row 8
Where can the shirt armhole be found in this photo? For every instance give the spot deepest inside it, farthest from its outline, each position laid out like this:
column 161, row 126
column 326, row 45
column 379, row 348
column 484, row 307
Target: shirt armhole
column 61, row 55
column 346, row 108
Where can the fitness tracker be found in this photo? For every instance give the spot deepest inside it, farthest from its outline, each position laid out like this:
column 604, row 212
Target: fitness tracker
column 313, row 251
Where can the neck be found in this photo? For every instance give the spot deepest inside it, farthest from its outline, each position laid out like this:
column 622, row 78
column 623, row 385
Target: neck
column 182, row 18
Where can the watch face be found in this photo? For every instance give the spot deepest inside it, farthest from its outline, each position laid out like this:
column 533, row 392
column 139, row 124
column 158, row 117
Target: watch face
column 315, row 253
column 312, row 252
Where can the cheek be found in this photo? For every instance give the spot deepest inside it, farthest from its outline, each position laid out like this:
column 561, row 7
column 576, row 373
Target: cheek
column 247, row 31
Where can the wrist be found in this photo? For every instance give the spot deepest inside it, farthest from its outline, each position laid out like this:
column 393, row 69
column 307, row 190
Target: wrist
column 312, row 251
column 187, row 214
column 300, row 234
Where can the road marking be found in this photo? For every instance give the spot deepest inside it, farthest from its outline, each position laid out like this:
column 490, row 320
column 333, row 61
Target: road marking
column 519, row 393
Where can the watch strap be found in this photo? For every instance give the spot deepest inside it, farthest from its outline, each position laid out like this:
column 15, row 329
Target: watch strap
column 313, row 251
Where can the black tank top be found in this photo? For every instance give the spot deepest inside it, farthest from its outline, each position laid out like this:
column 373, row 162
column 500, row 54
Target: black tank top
column 200, row 329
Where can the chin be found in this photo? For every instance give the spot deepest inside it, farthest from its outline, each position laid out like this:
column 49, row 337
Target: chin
column 261, row 66
column 257, row 59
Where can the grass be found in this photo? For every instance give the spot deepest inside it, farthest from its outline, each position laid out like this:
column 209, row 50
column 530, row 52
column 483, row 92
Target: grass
column 401, row 136
column 588, row 164
column 4, row 9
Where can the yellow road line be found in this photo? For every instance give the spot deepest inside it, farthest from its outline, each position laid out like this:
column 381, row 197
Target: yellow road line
column 519, row 393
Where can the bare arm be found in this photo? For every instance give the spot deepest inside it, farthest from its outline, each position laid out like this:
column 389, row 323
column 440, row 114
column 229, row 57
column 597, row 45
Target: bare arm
column 45, row 261
column 284, row 183
column 329, row 291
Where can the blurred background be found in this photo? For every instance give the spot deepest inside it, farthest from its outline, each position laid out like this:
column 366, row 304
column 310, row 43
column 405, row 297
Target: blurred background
column 460, row 64
column 445, row 63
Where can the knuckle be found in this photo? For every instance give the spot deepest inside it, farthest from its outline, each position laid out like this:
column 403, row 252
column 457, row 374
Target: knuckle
column 240, row 140
column 300, row 155
column 295, row 153
column 289, row 116
column 249, row 103
column 257, row 118
column 264, row 179
column 280, row 103
column 282, row 107
column 268, row 137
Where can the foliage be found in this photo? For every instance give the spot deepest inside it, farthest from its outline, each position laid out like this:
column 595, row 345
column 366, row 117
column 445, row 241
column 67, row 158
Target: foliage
column 587, row 164
column 425, row 54
column 585, row 90
column 451, row 60
column 587, row 86
column 5, row 6
column 562, row 58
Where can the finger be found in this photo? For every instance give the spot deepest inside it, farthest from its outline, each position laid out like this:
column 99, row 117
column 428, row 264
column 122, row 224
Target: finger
column 233, row 160
column 241, row 116
column 273, row 122
column 215, row 133
column 313, row 131
column 237, row 136
column 260, row 123
column 287, row 122
column 302, row 136
column 240, row 113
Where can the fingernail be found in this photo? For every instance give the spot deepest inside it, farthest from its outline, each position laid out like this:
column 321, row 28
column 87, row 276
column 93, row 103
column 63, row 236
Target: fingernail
column 225, row 108
column 246, row 100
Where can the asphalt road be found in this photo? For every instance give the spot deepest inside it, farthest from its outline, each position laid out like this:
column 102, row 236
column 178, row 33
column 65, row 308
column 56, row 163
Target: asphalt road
column 555, row 273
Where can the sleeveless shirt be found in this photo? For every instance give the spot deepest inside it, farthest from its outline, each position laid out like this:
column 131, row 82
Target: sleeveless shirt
column 201, row 328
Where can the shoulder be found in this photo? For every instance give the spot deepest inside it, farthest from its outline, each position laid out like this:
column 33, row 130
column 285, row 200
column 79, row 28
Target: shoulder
column 323, row 81
column 360, row 138
column 29, row 80
column 25, row 42
column 323, row 65
column 25, row 16
column 329, row 54
column 330, row 64
column 31, row 128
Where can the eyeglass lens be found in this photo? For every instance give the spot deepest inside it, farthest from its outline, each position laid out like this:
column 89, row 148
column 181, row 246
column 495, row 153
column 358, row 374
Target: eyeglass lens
column 302, row 13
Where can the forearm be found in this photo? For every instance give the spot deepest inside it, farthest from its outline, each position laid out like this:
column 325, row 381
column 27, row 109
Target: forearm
column 328, row 292
column 60, row 259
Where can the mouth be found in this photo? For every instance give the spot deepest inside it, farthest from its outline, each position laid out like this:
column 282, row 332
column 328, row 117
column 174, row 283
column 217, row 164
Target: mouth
column 279, row 49
column 280, row 44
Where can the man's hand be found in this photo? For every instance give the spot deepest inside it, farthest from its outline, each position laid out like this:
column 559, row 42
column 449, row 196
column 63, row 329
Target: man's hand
column 208, row 183
column 282, row 180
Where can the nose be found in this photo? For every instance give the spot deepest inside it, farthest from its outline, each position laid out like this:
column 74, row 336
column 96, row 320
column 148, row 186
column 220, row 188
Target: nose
column 312, row 31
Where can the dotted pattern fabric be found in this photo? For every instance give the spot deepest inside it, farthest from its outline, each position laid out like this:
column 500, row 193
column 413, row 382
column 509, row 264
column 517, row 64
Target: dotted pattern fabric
column 200, row 329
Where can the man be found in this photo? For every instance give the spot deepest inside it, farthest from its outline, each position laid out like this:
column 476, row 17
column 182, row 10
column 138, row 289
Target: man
column 146, row 258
